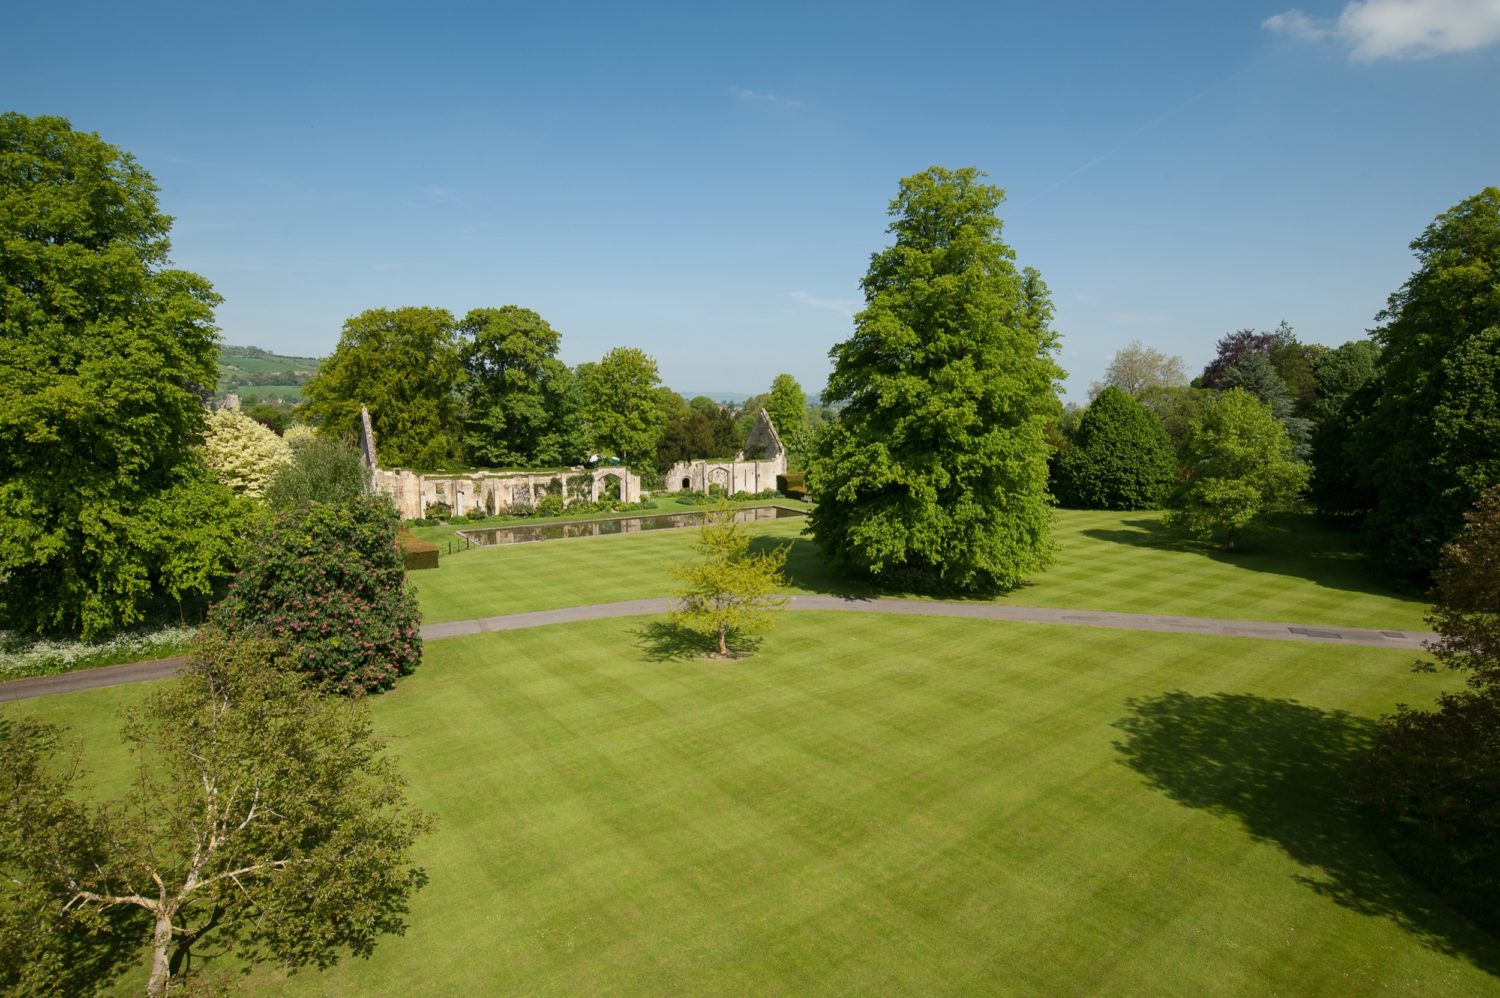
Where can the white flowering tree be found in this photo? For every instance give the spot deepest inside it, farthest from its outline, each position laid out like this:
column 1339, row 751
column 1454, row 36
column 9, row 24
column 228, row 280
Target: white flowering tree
column 242, row 453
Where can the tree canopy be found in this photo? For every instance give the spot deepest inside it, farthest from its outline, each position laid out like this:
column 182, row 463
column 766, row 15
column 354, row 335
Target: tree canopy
column 243, row 454
column 1343, row 398
column 325, row 584
column 1137, row 368
column 517, row 390
column 266, row 820
column 1437, row 773
column 1120, row 457
column 1239, row 466
column 319, row 469
column 106, row 356
column 787, row 408
column 621, row 406
column 697, row 434
column 729, row 593
column 404, row 365
column 935, row 476
column 1429, row 442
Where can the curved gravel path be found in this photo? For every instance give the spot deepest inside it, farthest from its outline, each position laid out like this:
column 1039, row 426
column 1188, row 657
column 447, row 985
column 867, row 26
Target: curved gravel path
column 140, row 672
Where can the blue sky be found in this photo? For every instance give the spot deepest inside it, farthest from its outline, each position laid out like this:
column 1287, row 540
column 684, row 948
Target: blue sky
column 708, row 181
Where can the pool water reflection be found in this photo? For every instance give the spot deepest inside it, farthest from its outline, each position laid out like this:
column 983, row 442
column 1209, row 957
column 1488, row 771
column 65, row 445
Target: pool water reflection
column 624, row 525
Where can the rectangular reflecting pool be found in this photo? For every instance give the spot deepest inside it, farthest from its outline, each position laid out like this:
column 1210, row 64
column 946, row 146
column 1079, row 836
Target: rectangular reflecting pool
column 522, row 533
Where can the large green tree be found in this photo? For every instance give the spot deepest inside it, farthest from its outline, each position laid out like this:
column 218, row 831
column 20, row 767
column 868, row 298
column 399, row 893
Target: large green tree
column 265, row 820
column 787, row 408
column 1239, row 466
column 106, row 356
column 403, row 364
column 935, row 476
column 516, row 389
column 697, row 434
column 1430, row 441
column 1256, row 374
column 1120, row 457
column 621, row 405
column 1343, row 399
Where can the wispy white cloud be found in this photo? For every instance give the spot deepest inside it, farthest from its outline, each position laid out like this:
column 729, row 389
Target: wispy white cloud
column 1398, row 29
column 1295, row 24
column 843, row 306
column 437, row 194
column 745, row 96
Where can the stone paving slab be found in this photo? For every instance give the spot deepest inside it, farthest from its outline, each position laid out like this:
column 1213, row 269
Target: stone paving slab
column 141, row 672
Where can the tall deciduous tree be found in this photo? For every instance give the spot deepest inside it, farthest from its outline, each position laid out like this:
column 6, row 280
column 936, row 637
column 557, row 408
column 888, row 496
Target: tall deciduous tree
column 1343, row 400
column 516, row 389
column 404, row 365
column 106, row 356
column 1430, row 443
column 1137, row 368
column 621, row 407
column 265, row 819
column 787, row 408
column 1120, row 457
column 935, row 476
column 1239, row 466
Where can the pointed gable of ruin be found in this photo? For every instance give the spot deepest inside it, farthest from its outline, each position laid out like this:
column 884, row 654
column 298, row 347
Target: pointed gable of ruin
column 367, row 439
column 763, row 443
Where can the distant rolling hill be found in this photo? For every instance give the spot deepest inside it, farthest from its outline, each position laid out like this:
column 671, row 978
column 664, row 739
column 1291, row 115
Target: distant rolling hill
column 258, row 375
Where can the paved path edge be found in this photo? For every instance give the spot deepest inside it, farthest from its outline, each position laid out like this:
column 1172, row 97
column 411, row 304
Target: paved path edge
column 142, row 672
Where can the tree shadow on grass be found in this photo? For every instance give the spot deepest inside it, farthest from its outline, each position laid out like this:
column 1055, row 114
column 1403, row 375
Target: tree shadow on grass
column 1290, row 545
column 664, row 641
column 1281, row 767
column 806, row 570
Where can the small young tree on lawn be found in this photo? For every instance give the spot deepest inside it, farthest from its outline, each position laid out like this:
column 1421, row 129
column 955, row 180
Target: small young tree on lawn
column 1239, row 466
column 265, row 821
column 730, row 592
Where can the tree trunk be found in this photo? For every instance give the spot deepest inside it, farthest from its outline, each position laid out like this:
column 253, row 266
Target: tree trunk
column 723, row 646
column 161, row 942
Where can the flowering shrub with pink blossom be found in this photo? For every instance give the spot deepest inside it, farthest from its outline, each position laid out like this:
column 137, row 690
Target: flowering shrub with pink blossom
column 326, row 583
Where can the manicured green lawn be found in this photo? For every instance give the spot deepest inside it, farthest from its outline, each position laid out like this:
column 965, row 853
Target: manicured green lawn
column 1106, row 561
column 893, row 805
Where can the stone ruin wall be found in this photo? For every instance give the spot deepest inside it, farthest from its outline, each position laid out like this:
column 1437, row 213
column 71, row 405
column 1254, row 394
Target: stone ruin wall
column 413, row 492
column 742, row 474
